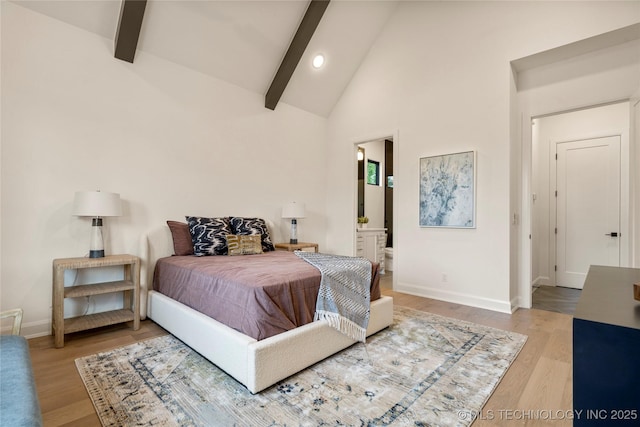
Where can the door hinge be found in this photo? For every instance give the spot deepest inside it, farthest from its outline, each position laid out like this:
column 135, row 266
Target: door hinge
column 555, row 230
column 555, row 268
column 556, row 193
column 556, row 156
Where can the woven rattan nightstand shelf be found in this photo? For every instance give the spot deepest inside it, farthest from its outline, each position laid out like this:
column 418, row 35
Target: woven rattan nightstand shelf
column 130, row 288
column 296, row 246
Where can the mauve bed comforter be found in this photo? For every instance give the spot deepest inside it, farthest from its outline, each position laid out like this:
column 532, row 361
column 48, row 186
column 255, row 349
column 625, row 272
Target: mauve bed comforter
column 258, row 295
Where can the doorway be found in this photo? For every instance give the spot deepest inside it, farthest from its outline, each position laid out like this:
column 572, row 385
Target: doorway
column 375, row 183
column 375, row 201
column 580, row 194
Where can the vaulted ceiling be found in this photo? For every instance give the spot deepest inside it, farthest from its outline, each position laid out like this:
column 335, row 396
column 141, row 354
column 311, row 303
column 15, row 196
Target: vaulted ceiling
column 244, row 42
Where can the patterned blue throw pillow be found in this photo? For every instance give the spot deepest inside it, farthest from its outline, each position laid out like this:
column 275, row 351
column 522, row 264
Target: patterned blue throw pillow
column 209, row 235
column 240, row 225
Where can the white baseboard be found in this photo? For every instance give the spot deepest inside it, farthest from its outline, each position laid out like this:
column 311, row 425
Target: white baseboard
column 37, row 329
column 458, row 298
column 517, row 303
column 542, row 281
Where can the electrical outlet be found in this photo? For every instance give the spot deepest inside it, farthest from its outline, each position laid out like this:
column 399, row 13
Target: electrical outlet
column 445, row 278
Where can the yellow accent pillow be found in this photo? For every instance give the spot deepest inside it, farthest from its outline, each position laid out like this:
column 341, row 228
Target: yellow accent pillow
column 244, row 244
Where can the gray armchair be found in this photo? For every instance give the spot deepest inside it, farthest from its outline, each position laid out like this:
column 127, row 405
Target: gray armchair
column 19, row 405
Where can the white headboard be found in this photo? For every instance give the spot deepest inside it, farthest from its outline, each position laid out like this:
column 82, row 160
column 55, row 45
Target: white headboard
column 155, row 244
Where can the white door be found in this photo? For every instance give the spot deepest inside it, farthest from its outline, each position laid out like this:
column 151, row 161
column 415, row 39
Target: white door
column 588, row 207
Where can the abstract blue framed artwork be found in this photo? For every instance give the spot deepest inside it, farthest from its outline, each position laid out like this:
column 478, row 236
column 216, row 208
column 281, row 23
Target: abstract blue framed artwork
column 447, row 190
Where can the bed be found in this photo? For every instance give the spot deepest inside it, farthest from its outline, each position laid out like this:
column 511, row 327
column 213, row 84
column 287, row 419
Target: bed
column 256, row 363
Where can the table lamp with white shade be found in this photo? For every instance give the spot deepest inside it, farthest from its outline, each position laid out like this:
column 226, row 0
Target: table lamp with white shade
column 96, row 204
column 293, row 211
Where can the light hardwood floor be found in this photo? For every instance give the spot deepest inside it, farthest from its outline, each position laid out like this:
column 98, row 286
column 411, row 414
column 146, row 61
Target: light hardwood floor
column 556, row 298
column 536, row 390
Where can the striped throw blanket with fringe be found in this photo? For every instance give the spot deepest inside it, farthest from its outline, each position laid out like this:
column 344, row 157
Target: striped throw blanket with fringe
column 344, row 295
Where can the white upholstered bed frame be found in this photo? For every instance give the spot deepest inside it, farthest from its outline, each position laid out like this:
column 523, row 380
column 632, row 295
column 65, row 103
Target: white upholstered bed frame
column 255, row 364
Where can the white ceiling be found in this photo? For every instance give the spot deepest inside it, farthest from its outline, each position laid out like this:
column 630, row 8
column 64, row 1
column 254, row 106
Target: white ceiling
column 243, row 42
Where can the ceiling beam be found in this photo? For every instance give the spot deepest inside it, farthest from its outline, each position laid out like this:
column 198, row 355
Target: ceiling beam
column 128, row 32
column 301, row 39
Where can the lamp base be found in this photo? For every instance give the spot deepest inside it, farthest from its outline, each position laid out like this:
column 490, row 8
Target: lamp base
column 96, row 250
column 96, row 254
column 294, row 231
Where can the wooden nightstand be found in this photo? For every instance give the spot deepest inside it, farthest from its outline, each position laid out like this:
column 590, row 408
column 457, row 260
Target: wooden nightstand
column 296, row 246
column 130, row 288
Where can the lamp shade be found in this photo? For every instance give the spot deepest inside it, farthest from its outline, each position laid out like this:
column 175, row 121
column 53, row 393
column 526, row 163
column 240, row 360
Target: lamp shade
column 96, row 204
column 293, row 210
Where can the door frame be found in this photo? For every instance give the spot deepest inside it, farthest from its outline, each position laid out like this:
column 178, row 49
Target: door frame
column 553, row 201
column 393, row 136
column 625, row 185
column 542, row 97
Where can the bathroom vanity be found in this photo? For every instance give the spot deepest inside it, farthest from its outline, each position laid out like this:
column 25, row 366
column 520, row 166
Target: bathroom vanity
column 370, row 244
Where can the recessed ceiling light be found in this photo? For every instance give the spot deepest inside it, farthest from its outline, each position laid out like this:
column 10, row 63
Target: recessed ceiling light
column 318, row 60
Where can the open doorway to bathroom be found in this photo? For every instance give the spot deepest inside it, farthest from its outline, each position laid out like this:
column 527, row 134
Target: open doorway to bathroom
column 374, row 235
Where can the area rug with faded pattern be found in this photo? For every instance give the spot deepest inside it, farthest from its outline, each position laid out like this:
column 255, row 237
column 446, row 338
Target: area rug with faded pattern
column 423, row 370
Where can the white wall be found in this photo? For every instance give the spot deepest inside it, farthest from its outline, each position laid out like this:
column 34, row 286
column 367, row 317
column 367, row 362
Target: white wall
column 175, row 142
column 440, row 76
column 593, row 122
column 171, row 141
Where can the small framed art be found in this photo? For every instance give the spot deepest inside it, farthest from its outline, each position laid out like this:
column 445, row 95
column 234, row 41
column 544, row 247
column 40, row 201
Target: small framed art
column 448, row 190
